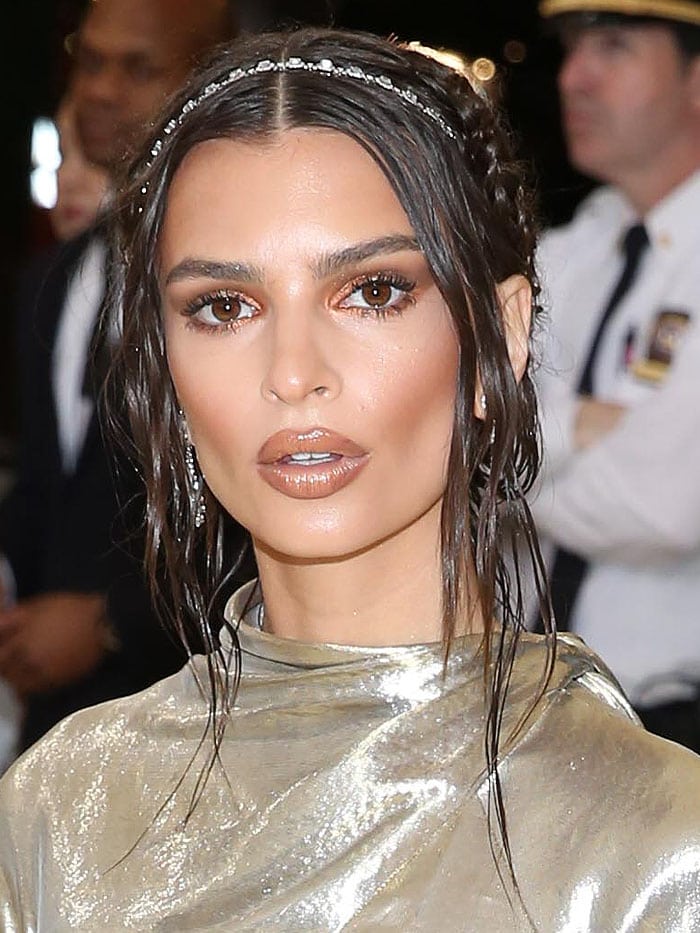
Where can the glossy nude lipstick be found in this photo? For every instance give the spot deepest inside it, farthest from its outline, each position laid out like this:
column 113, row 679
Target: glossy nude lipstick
column 310, row 464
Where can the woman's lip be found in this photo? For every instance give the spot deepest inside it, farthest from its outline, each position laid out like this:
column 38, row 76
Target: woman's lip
column 315, row 440
column 310, row 479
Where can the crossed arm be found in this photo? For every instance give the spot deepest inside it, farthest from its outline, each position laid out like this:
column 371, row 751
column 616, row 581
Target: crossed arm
column 625, row 484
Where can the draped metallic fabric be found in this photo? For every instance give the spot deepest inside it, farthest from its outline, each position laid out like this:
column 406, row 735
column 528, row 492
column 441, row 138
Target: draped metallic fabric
column 352, row 795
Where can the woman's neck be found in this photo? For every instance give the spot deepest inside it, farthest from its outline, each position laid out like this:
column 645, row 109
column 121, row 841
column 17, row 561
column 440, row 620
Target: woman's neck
column 390, row 594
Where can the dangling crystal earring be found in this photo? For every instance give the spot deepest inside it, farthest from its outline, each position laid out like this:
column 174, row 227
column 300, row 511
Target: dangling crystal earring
column 195, row 491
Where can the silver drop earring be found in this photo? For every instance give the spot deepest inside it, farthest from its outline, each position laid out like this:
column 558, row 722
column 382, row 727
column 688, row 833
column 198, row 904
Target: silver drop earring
column 195, row 490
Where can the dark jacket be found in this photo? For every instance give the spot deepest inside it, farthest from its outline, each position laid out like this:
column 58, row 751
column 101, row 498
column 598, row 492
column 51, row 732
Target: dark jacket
column 66, row 532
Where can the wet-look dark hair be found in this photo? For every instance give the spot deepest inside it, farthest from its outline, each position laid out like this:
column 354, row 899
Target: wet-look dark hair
column 464, row 194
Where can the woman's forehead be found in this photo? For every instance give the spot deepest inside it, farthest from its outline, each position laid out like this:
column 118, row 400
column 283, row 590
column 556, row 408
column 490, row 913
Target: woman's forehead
column 286, row 146
column 302, row 187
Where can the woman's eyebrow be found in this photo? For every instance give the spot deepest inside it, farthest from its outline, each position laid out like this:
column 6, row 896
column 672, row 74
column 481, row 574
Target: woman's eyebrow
column 323, row 266
column 191, row 268
column 330, row 263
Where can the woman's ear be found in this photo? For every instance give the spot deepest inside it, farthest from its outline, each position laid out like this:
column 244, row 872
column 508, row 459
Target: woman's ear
column 515, row 298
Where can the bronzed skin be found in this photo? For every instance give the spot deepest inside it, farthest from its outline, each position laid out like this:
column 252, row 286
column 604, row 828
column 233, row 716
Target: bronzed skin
column 303, row 333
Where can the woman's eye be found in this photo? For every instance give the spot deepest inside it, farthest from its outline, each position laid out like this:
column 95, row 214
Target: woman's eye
column 378, row 294
column 220, row 309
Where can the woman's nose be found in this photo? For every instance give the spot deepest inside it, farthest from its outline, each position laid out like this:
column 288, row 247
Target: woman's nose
column 300, row 360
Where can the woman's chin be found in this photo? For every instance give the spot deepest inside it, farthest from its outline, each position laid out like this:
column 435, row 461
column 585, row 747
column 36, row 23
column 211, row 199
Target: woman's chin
column 310, row 549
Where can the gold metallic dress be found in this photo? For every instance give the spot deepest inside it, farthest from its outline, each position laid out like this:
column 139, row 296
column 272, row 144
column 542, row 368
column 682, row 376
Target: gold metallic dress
column 351, row 795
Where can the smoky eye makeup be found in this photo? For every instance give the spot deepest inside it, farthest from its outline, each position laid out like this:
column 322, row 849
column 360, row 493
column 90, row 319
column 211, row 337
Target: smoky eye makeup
column 221, row 309
column 378, row 294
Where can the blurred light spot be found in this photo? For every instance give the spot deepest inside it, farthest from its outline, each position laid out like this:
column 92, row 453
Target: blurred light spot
column 42, row 186
column 515, row 51
column 484, row 69
column 46, row 158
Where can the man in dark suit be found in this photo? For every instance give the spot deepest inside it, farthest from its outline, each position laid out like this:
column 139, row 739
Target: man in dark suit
column 78, row 626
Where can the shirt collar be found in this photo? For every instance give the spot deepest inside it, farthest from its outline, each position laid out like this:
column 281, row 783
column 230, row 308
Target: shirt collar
column 674, row 219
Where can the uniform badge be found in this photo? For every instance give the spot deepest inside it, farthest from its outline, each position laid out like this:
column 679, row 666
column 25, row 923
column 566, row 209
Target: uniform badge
column 664, row 339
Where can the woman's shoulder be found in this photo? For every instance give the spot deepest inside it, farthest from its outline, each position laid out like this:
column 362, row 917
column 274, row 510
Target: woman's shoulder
column 604, row 803
column 586, row 737
column 568, row 670
column 584, row 689
column 90, row 741
column 583, row 704
column 81, row 797
column 583, row 669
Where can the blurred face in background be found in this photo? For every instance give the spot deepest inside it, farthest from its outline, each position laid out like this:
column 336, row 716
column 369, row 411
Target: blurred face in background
column 82, row 185
column 130, row 55
column 628, row 97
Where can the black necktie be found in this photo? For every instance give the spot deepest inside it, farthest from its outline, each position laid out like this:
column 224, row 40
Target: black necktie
column 568, row 569
column 634, row 244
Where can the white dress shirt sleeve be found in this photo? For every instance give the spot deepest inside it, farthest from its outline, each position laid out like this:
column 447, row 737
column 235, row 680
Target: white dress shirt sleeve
column 635, row 496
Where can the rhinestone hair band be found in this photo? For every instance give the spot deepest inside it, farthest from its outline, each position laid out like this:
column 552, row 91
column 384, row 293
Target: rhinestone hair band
column 323, row 67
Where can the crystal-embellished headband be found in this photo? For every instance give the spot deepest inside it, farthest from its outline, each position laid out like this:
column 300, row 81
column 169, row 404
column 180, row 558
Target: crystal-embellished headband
column 323, row 67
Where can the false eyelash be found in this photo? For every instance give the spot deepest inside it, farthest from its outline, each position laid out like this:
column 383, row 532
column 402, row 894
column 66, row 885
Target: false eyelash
column 393, row 279
column 201, row 301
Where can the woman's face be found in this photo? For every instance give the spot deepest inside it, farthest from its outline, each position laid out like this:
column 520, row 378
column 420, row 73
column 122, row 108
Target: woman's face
column 310, row 348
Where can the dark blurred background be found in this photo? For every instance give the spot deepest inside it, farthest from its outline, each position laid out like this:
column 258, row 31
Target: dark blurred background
column 507, row 33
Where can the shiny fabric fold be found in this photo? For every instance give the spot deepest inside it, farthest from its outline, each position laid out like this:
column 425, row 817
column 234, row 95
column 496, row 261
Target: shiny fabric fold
column 352, row 795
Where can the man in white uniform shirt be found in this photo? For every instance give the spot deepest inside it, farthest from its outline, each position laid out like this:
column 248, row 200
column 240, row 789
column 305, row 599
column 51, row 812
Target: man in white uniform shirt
column 618, row 506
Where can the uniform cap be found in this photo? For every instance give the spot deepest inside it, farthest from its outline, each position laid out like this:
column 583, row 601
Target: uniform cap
column 677, row 11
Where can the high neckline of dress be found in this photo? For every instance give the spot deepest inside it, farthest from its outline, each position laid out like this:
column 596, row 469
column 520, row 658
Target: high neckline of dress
column 240, row 612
